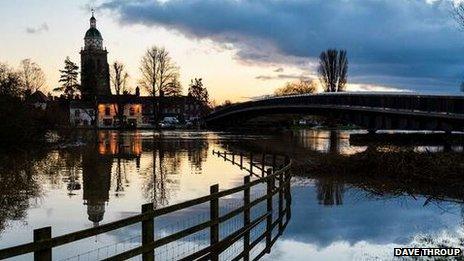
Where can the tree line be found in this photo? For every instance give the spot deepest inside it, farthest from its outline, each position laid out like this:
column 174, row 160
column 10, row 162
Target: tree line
column 159, row 76
column 21, row 123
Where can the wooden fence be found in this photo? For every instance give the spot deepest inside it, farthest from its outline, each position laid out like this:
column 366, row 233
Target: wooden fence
column 277, row 183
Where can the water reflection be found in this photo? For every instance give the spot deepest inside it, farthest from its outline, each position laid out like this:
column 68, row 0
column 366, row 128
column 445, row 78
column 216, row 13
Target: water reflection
column 104, row 177
column 96, row 172
column 329, row 192
column 115, row 172
column 19, row 188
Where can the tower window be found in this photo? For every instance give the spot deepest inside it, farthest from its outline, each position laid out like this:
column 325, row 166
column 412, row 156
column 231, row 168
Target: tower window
column 107, row 111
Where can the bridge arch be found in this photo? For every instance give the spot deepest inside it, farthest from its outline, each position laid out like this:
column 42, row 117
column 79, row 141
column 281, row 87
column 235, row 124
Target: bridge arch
column 386, row 111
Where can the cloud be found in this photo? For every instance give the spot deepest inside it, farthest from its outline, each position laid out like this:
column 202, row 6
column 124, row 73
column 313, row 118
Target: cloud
column 37, row 30
column 393, row 40
column 282, row 77
column 264, row 77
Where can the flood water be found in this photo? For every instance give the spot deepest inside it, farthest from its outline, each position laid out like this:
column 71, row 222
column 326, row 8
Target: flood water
column 96, row 180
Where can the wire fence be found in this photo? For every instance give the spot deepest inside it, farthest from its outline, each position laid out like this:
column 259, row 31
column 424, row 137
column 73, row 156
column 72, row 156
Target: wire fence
column 225, row 225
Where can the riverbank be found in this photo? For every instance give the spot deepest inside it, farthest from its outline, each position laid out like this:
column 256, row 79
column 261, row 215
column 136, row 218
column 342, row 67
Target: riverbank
column 393, row 171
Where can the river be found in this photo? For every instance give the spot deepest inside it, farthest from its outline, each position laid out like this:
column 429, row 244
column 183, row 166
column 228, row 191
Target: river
column 109, row 176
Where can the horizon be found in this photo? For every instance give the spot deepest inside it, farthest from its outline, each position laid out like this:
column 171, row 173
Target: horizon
column 240, row 54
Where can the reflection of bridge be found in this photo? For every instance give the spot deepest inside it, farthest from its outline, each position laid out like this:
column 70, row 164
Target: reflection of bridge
column 374, row 111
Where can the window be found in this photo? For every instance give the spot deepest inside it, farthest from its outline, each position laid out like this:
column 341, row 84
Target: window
column 77, row 113
column 131, row 111
column 107, row 111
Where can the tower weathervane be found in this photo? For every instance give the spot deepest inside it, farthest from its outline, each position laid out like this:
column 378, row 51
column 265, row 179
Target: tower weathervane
column 93, row 11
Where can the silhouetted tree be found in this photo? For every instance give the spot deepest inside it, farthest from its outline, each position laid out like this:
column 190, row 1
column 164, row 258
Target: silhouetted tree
column 333, row 70
column 10, row 81
column 19, row 124
column 302, row 86
column 173, row 88
column 200, row 93
column 68, row 79
column 159, row 73
column 32, row 76
column 119, row 77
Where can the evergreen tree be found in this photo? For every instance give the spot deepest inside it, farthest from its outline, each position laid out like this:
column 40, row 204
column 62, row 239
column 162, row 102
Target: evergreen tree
column 200, row 93
column 68, row 79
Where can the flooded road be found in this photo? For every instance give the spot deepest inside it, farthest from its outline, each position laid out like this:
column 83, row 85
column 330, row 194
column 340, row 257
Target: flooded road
column 97, row 180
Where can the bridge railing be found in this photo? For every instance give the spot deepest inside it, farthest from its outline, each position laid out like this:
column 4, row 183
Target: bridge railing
column 275, row 218
column 407, row 102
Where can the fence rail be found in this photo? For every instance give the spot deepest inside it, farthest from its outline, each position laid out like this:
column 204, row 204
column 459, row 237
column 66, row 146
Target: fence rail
column 277, row 182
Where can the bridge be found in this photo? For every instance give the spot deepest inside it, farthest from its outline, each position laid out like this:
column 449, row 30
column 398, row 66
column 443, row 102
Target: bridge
column 372, row 111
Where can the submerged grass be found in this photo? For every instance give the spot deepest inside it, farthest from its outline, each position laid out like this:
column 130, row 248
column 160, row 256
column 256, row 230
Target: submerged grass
column 389, row 170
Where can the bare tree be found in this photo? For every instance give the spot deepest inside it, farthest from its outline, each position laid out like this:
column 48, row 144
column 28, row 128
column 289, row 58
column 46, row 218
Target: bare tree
column 302, row 86
column 333, row 70
column 173, row 88
column 119, row 77
column 10, row 81
column 32, row 76
column 159, row 72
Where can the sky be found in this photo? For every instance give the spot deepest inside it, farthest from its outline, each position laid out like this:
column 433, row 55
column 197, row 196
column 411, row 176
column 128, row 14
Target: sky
column 248, row 48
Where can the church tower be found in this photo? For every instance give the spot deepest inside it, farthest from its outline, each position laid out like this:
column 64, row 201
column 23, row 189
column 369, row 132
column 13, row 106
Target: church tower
column 95, row 77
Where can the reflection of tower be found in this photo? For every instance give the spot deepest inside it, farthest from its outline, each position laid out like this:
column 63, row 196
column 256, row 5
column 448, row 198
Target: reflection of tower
column 329, row 192
column 96, row 172
column 334, row 140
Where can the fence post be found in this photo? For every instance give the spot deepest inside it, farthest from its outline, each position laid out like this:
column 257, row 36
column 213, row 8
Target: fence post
column 233, row 158
column 251, row 163
column 246, row 219
column 281, row 202
column 39, row 235
column 270, row 185
column 214, row 217
column 263, row 158
column 225, row 155
column 241, row 160
column 288, row 196
column 148, row 232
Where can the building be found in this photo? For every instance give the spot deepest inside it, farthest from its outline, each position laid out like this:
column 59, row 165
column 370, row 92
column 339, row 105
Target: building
column 95, row 75
column 81, row 114
column 99, row 108
column 117, row 111
column 38, row 100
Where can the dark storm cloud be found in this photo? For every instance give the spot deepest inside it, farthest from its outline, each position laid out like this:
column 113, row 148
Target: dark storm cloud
column 395, row 39
column 39, row 29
